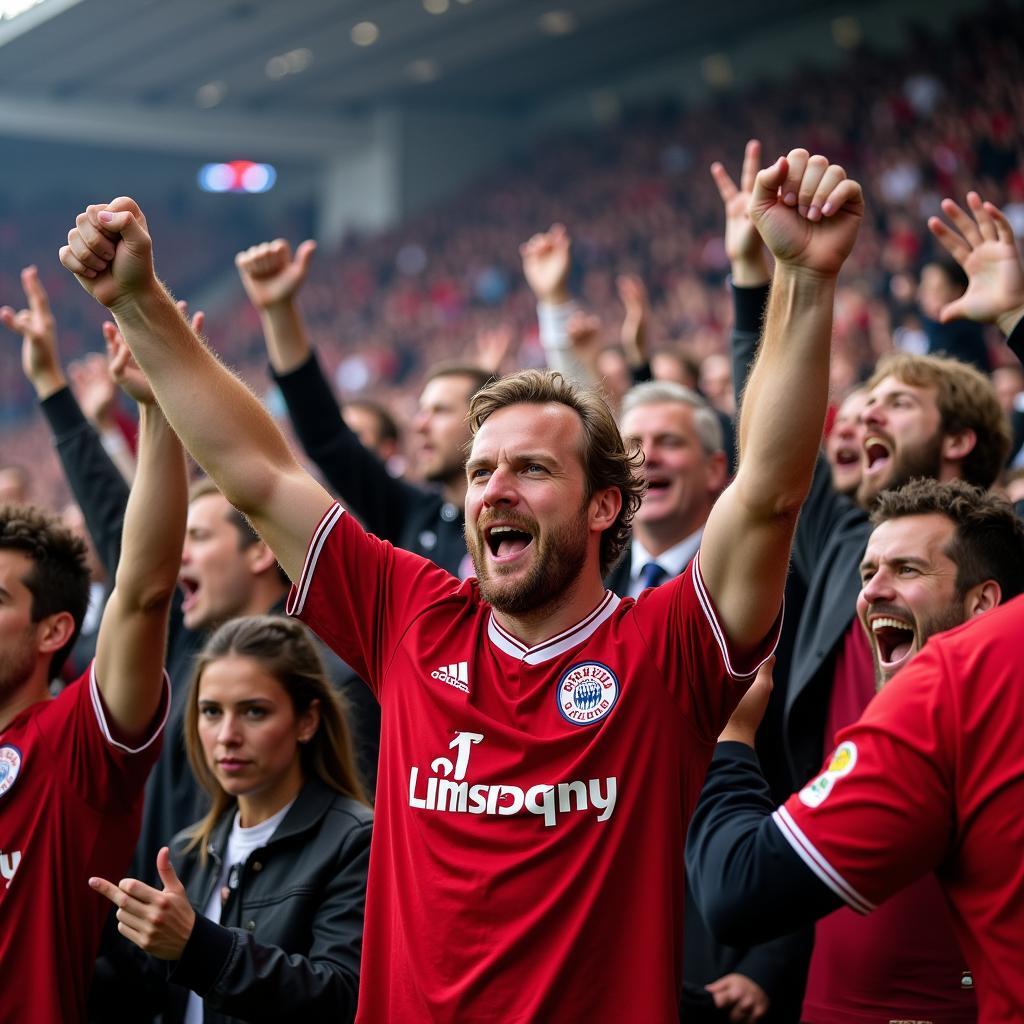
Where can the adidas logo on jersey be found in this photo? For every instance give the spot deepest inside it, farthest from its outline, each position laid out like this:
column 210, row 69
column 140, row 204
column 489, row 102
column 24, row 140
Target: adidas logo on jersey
column 456, row 675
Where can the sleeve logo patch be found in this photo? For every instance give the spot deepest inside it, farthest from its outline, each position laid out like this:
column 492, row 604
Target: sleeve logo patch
column 587, row 692
column 10, row 766
column 842, row 763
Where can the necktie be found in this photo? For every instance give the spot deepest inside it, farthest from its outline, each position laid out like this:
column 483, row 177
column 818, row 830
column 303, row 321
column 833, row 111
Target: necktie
column 652, row 575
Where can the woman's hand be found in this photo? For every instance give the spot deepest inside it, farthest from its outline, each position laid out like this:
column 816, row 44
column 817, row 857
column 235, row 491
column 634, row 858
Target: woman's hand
column 158, row 922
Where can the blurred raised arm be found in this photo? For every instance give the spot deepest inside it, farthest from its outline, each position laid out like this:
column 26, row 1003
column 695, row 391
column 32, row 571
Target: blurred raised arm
column 982, row 242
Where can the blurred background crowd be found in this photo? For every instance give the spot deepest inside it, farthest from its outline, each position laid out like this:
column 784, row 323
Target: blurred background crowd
column 944, row 116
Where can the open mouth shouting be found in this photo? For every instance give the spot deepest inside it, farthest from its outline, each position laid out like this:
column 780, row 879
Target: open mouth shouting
column 877, row 454
column 847, row 455
column 189, row 587
column 658, row 484
column 894, row 640
column 507, row 541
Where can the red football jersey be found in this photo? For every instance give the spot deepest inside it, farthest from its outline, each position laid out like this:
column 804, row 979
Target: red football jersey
column 70, row 806
column 932, row 777
column 532, row 803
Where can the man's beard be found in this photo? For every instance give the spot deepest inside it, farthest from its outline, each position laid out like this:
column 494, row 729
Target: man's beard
column 557, row 563
column 924, row 460
column 948, row 617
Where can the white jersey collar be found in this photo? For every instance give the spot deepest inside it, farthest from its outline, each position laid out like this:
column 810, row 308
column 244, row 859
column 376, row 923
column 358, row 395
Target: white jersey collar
column 555, row 645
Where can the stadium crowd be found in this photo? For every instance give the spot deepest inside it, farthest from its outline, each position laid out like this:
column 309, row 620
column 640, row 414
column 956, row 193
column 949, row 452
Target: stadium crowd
column 516, row 609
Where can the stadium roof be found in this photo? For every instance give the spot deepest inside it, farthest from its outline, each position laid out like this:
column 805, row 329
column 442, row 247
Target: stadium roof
column 171, row 72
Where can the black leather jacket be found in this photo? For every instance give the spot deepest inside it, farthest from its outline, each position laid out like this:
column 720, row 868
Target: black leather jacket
column 290, row 937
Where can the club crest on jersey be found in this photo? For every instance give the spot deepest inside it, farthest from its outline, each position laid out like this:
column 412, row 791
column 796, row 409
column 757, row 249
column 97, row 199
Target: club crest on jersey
column 842, row 763
column 587, row 692
column 10, row 767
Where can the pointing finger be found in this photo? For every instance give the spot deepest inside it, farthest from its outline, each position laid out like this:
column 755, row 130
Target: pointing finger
column 38, row 300
column 726, row 186
column 107, row 889
column 751, row 162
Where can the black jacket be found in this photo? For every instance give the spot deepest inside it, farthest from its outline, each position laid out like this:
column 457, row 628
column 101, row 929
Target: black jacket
column 830, row 540
column 747, row 880
column 290, row 938
column 960, row 339
column 779, row 965
column 409, row 517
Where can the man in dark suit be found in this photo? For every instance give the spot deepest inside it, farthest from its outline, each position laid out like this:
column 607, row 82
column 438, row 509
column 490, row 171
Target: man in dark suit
column 686, row 469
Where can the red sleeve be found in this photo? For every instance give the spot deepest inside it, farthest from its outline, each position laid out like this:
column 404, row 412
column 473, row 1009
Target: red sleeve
column 680, row 628
column 107, row 774
column 881, row 812
column 359, row 594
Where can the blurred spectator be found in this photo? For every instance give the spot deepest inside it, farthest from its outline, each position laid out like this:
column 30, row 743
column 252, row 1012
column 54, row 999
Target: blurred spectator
column 933, row 121
column 15, row 485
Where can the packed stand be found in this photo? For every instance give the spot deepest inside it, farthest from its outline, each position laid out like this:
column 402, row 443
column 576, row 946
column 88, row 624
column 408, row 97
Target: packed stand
column 527, row 600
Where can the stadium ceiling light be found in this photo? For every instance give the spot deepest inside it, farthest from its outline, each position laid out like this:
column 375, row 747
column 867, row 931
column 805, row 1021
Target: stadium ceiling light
column 365, row 33
column 423, row 70
column 237, row 176
column 276, row 67
column 557, row 23
column 211, row 94
column 291, row 63
column 298, row 60
column 435, row 6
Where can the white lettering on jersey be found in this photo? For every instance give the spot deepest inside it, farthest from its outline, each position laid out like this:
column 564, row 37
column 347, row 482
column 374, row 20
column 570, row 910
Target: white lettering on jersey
column 447, row 790
column 9, row 864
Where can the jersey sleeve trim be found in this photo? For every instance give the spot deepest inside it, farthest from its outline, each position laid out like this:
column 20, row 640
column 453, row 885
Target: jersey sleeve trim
column 810, row 855
column 719, row 634
column 101, row 716
column 300, row 591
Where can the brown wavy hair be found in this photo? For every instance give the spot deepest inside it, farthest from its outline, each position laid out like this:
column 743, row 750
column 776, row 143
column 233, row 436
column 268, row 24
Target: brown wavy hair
column 966, row 400
column 607, row 461
column 284, row 650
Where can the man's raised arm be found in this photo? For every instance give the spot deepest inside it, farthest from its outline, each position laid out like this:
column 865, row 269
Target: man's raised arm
column 272, row 277
column 808, row 214
column 132, row 641
column 219, row 420
column 982, row 242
